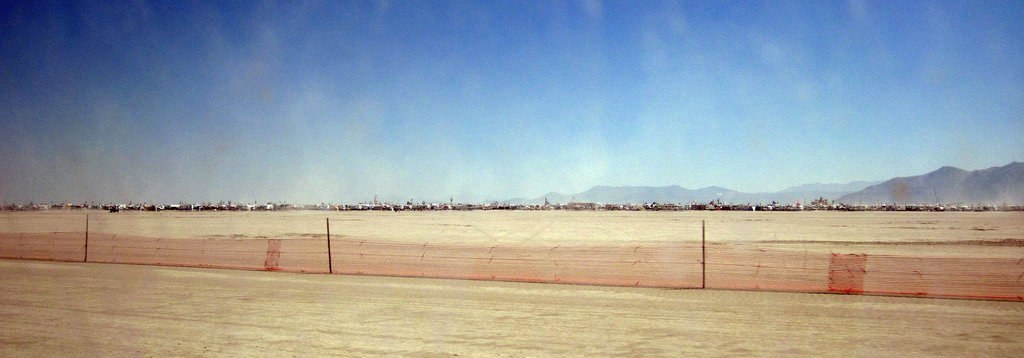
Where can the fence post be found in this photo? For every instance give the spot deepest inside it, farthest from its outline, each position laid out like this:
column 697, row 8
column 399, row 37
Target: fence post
column 703, row 257
column 330, row 264
column 86, row 258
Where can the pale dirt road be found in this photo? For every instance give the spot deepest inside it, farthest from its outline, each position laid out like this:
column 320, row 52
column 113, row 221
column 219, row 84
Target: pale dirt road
column 76, row 309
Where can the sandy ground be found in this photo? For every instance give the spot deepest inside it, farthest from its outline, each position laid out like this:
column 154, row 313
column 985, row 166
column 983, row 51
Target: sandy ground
column 51, row 308
column 75, row 309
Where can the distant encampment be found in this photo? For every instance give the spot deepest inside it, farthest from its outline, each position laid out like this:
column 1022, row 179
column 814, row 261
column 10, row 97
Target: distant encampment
column 946, row 189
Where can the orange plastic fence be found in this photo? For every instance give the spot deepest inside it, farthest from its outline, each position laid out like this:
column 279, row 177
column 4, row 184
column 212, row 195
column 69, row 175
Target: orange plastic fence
column 744, row 267
column 982, row 278
column 650, row 266
column 846, row 273
column 54, row 246
column 728, row 266
column 292, row 255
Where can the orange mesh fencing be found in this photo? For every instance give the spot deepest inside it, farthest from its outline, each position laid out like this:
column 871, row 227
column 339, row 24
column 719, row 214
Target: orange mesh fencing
column 649, row 266
column 743, row 267
column 846, row 273
column 291, row 255
column 981, row 278
column 55, row 246
column 728, row 265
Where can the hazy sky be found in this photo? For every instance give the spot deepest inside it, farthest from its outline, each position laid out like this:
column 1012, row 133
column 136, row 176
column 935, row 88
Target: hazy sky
column 336, row 101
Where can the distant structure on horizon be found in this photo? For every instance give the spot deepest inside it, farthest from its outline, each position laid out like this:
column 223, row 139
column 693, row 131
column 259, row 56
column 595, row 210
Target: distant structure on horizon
column 946, row 189
column 817, row 205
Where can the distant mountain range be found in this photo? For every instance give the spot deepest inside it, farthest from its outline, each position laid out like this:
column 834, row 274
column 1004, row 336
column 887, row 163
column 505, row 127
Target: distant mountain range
column 946, row 185
column 994, row 185
column 678, row 194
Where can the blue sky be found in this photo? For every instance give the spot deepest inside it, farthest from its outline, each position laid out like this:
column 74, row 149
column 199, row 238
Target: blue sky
column 337, row 101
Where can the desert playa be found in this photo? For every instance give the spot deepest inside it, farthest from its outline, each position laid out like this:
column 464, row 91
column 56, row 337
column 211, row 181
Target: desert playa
column 130, row 310
column 996, row 234
column 968, row 255
column 51, row 308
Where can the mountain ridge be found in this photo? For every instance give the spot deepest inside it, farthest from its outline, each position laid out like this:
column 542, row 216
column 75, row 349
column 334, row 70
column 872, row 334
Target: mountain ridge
column 945, row 185
column 676, row 194
column 948, row 185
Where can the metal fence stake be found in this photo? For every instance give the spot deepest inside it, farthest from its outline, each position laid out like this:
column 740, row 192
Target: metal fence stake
column 86, row 257
column 330, row 264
